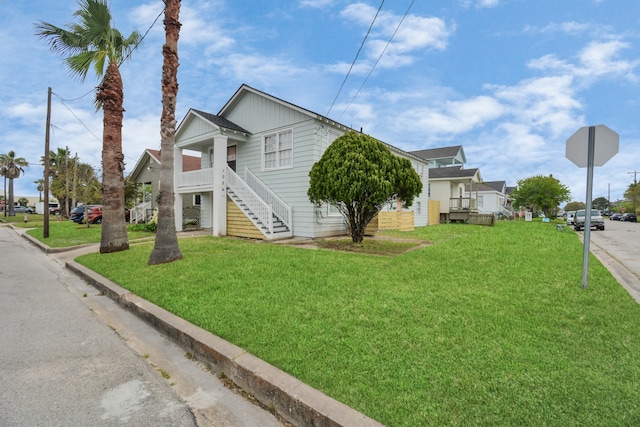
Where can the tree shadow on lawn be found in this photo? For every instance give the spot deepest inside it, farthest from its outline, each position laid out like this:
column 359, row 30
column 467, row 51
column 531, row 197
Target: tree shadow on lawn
column 379, row 245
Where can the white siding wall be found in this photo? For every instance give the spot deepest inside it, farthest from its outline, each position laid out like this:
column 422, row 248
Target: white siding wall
column 261, row 116
column 491, row 201
column 441, row 190
column 192, row 130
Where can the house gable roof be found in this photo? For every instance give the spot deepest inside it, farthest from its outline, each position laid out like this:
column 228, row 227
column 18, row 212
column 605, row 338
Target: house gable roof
column 453, row 172
column 189, row 163
column 487, row 187
column 220, row 121
column 244, row 89
column 500, row 186
column 454, row 153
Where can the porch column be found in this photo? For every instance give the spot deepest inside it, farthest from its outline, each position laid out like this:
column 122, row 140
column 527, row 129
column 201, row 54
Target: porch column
column 177, row 199
column 219, row 185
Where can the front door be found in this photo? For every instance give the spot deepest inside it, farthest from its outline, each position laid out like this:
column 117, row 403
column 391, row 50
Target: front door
column 231, row 157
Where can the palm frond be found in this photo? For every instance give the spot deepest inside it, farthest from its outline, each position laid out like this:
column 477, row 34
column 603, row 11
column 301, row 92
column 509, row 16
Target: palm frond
column 89, row 41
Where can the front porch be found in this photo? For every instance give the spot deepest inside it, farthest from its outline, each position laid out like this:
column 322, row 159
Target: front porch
column 264, row 212
column 460, row 208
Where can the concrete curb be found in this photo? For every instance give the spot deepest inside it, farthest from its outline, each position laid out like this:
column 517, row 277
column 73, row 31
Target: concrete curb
column 623, row 275
column 290, row 398
column 295, row 401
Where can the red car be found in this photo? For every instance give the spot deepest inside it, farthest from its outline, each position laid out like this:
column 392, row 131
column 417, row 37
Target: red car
column 95, row 214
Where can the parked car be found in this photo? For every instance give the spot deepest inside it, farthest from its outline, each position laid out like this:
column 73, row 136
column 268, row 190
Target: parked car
column 23, row 209
column 55, row 211
column 615, row 217
column 630, row 217
column 77, row 214
column 570, row 217
column 94, row 214
column 596, row 220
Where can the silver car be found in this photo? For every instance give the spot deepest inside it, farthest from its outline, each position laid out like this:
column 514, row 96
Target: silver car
column 22, row 209
column 596, row 220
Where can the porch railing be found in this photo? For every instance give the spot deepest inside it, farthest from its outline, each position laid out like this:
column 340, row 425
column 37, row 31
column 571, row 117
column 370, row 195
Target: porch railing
column 253, row 202
column 465, row 204
column 194, row 179
column 280, row 208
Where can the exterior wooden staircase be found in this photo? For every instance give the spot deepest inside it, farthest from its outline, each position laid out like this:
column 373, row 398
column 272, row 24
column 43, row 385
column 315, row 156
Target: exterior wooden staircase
column 266, row 211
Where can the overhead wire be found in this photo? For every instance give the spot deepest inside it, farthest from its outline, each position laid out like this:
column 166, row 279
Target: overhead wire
column 143, row 36
column 355, row 59
column 75, row 115
column 378, row 60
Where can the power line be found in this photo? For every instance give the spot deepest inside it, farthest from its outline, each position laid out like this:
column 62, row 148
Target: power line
column 378, row 60
column 355, row 59
column 142, row 38
column 76, row 116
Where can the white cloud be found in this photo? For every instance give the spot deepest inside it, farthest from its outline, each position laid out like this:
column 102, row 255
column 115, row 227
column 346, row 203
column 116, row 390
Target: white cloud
column 453, row 117
column 546, row 104
column 316, row 4
column 600, row 59
column 197, row 26
column 416, row 34
column 257, row 68
column 479, row 4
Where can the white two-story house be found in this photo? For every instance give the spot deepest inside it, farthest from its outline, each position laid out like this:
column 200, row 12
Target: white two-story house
column 256, row 154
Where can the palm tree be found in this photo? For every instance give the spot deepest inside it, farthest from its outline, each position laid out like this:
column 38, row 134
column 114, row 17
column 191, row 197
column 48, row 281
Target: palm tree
column 90, row 43
column 166, row 247
column 59, row 173
column 10, row 168
column 40, row 184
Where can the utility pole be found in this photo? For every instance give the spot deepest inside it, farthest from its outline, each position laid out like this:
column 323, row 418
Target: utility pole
column 633, row 192
column 45, row 230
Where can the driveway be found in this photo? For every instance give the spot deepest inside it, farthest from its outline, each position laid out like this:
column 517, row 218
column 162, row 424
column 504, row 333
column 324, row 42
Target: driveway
column 618, row 248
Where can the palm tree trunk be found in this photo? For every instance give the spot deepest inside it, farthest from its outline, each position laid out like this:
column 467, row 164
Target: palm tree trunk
column 166, row 247
column 114, row 227
column 12, row 211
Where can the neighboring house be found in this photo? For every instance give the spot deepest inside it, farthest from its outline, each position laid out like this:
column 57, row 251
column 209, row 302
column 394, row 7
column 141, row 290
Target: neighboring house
column 447, row 186
column 443, row 156
column 448, row 180
column 491, row 197
column 147, row 174
column 256, row 154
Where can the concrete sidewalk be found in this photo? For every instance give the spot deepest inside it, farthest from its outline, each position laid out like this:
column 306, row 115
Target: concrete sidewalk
column 293, row 401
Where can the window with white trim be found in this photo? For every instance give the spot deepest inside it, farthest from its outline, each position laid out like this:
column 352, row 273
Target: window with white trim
column 277, row 150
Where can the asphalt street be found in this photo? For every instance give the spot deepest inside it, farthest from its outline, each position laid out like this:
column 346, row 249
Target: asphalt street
column 618, row 248
column 71, row 357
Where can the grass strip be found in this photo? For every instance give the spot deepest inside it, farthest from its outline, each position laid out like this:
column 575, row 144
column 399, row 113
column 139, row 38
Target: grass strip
column 65, row 233
column 487, row 326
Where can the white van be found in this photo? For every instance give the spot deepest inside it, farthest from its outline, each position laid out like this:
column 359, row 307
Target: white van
column 570, row 217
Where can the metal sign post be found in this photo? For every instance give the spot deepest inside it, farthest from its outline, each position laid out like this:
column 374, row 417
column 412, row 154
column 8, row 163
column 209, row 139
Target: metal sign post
column 587, row 213
column 600, row 147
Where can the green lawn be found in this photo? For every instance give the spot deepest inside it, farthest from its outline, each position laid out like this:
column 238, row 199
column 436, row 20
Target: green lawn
column 66, row 233
column 486, row 326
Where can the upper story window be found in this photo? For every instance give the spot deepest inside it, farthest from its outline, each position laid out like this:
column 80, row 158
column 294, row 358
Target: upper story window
column 277, row 150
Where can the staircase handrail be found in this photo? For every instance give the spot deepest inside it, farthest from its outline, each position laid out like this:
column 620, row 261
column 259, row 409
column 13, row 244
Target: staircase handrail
column 280, row 209
column 259, row 207
column 139, row 211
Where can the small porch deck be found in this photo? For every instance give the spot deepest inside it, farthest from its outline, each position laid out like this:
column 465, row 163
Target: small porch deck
column 460, row 209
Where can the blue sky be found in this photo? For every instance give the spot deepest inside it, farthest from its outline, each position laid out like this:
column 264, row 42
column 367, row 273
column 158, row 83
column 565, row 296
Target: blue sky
column 509, row 80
